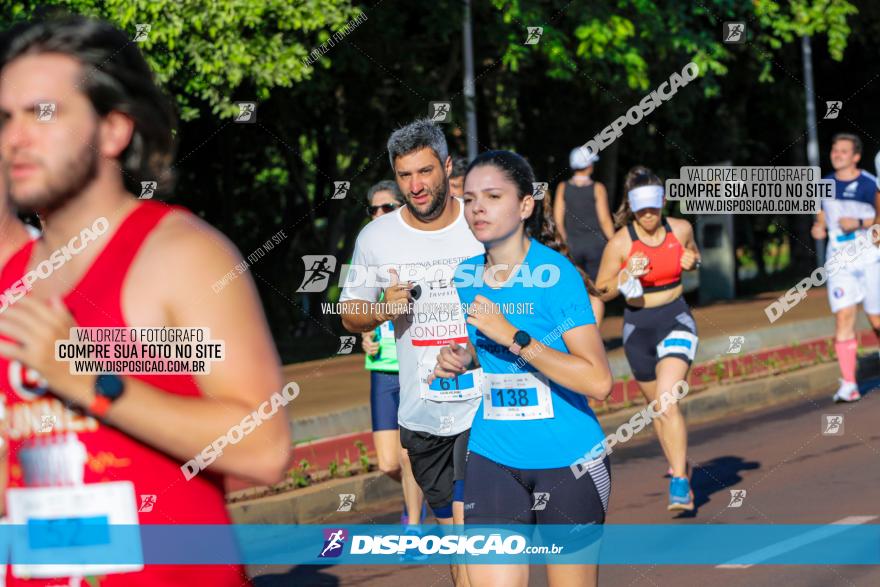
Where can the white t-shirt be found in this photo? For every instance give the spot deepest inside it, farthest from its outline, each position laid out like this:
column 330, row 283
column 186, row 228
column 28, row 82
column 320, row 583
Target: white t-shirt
column 429, row 259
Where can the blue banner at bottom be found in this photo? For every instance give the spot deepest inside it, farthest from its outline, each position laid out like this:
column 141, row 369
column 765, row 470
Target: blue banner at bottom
column 74, row 542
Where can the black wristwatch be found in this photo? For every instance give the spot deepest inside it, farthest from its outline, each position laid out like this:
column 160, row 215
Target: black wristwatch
column 109, row 387
column 520, row 340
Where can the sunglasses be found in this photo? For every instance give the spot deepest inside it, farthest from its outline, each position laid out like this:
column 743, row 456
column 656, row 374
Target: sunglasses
column 384, row 207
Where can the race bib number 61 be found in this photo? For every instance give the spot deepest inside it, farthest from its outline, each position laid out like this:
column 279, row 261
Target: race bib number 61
column 448, row 389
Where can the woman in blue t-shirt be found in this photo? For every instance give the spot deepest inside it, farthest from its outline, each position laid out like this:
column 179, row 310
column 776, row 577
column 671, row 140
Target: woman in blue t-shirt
column 531, row 455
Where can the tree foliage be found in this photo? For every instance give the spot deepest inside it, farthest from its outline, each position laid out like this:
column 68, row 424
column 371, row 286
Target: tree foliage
column 328, row 120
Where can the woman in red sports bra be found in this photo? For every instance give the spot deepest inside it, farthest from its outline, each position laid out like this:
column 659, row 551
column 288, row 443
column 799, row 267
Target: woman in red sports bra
column 643, row 261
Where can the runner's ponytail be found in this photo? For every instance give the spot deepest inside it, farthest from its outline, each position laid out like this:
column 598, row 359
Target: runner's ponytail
column 540, row 225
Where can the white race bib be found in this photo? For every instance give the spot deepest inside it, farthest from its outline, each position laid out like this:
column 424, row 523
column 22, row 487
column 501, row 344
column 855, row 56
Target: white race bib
column 436, row 316
column 448, row 389
column 516, row 396
column 72, row 522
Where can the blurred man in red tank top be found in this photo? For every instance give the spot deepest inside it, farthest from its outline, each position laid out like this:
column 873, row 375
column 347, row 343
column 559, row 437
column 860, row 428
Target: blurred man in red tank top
column 83, row 123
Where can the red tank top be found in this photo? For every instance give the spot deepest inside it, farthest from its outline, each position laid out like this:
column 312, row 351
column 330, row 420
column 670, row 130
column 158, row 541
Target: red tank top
column 113, row 455
column 664, row 260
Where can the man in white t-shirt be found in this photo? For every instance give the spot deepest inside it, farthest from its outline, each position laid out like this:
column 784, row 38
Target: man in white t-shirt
column 411, row 254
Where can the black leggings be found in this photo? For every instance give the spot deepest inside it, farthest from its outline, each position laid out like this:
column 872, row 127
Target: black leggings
column 497, row 494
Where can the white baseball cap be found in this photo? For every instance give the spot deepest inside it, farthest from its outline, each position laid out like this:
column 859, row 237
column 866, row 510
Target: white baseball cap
column 581, row 158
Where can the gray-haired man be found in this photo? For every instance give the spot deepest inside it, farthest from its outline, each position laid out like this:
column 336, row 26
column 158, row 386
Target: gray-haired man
column 416, row 250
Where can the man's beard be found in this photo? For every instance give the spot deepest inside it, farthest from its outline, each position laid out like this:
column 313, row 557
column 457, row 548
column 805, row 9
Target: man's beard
column 435, row 206
column 61, row 187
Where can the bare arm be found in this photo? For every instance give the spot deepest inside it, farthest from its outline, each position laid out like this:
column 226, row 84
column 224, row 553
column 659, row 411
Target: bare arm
column 603, row 211
column 360, row 316
column 475, row 361
column 559, row 210
column 819, row 231
column 251, row 373
column 609, row 268
column 684, row 232
column 182, row 426
column 364, row 316
column 454, row 360
column 583, row 369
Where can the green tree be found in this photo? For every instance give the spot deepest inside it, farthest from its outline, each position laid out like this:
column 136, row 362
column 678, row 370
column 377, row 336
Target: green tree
column 327, row 120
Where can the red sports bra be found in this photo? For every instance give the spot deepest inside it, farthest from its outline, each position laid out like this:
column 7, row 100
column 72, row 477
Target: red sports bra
column 664, row 260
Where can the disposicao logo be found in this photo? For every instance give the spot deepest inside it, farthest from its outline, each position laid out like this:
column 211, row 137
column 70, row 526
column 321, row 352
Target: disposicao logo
column 334, row 542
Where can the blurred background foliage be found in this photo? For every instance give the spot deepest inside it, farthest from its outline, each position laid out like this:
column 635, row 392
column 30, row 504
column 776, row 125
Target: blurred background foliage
column 329, row 121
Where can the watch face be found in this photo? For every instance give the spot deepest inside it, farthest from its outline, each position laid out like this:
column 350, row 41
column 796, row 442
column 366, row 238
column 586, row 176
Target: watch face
column 109, row 385
column 522, row 338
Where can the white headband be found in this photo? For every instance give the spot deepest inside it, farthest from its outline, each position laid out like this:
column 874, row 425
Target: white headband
column 646, row 196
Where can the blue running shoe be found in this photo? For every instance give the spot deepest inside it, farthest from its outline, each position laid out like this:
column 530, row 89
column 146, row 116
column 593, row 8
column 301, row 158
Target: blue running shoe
column 410, row 554
column 680, row 495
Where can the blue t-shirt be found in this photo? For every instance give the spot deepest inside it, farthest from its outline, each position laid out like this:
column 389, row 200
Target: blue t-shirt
column 545, row 313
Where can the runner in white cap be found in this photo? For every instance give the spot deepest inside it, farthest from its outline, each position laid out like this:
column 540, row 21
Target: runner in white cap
column 644, row 261
column 583, row 217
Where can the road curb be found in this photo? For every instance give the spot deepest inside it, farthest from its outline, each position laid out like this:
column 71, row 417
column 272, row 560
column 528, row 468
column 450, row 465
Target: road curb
column 332, row 424
column 314, row 505
column 318, row 504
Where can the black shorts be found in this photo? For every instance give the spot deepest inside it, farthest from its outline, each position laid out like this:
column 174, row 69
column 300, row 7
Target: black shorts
column 498, row 494
column 652, row 334
column 438, row 465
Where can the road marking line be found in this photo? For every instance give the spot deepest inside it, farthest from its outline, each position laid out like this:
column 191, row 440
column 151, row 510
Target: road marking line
column 775, row 550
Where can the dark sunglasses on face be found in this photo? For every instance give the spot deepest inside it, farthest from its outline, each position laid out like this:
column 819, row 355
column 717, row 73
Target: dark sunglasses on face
column 386, row 208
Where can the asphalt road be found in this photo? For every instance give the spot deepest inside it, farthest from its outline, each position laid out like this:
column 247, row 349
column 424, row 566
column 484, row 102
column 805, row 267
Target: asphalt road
column 791, row 471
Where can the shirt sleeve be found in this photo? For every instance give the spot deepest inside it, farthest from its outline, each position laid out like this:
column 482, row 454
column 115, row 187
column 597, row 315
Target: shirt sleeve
column 568, row 301
column 462, row 280
column 359, row 278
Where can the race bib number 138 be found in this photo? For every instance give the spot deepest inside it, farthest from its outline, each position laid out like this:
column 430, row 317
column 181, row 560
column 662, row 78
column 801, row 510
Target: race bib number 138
column 516, row 396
